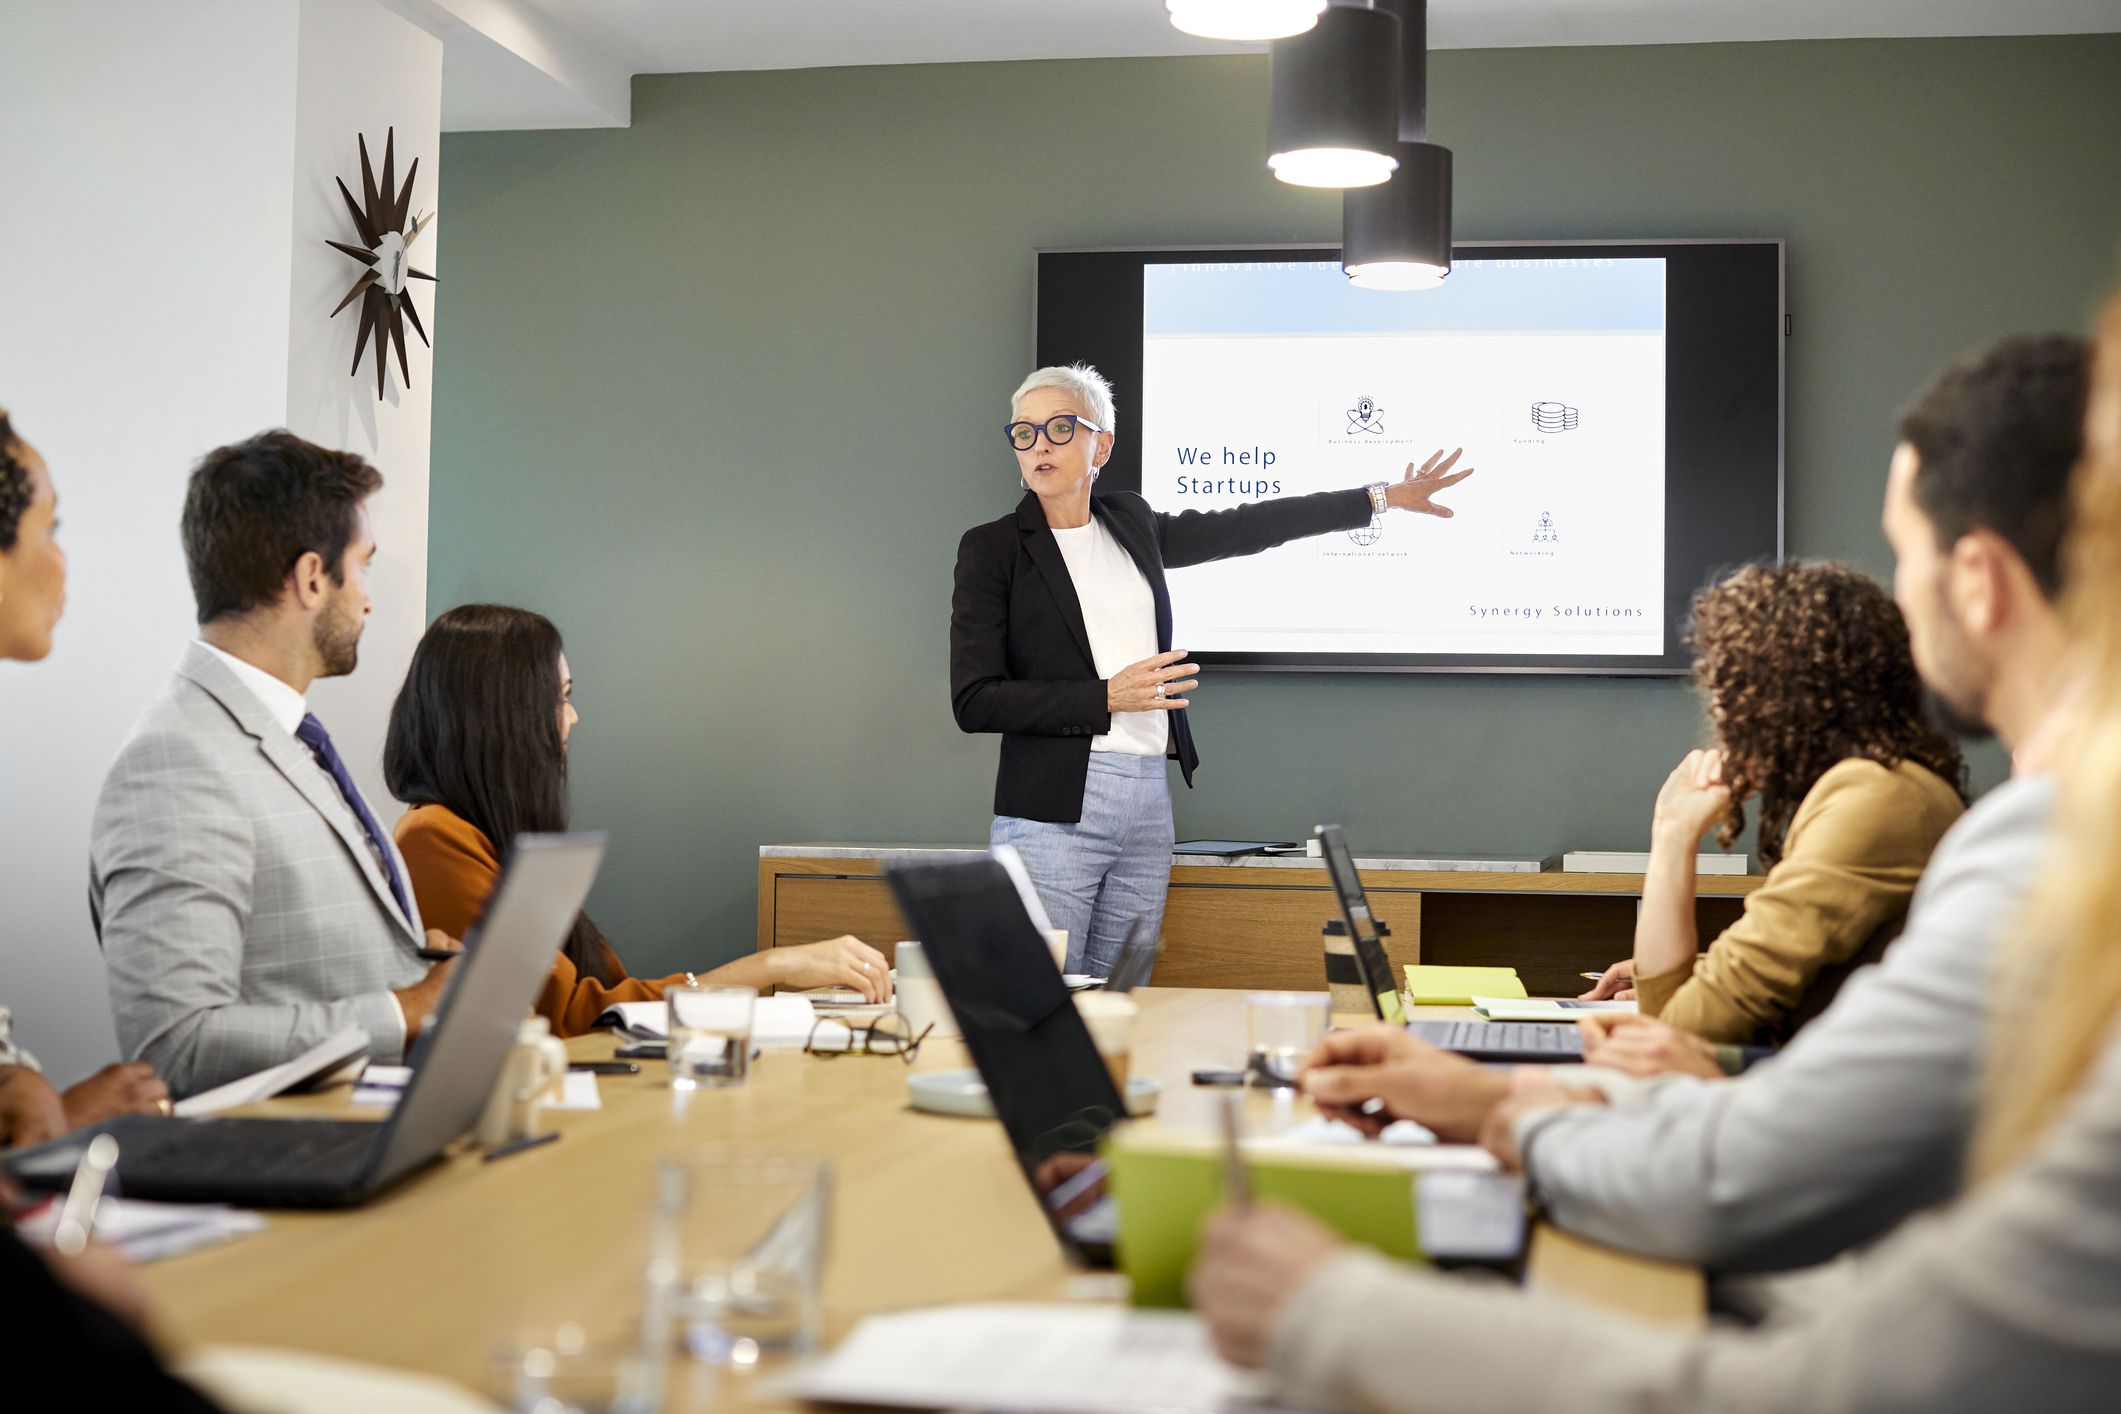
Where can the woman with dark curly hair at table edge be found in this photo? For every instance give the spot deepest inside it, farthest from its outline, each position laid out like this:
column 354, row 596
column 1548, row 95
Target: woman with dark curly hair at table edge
column 1817, row 712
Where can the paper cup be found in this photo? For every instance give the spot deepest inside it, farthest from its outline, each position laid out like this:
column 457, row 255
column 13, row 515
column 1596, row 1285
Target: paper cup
column 1110, row 1017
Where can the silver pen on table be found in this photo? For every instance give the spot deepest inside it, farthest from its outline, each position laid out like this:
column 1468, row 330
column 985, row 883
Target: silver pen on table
column 77, row 1218
column 1237, row 1183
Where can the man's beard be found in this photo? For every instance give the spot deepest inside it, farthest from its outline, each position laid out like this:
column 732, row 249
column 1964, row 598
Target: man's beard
column 338, row 644
column 1952, row 720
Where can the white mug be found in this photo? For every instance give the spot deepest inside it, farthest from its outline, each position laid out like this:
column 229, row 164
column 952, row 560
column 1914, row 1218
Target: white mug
column 920, row 996
column 532, row 1074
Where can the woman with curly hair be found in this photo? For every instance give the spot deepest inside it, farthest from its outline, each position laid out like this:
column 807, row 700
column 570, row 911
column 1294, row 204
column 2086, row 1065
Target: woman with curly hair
column 1817, row 712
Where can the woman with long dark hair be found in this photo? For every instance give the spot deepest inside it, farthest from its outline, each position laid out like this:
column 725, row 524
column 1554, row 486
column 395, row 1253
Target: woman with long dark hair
column 478, row 749
column 1818, row 715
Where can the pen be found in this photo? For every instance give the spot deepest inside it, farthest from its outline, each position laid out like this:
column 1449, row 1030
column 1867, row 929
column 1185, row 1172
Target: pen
column 1237, row 1184
column 1592, row 976
column 519, row 1145
column 610, row 1067
column 77, row 1220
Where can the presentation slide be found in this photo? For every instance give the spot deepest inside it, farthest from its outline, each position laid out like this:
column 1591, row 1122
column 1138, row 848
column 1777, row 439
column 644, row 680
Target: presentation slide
column 1264, row 379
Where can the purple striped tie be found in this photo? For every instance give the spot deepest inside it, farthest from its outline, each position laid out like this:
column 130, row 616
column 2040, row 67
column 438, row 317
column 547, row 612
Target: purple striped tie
column 312, row 735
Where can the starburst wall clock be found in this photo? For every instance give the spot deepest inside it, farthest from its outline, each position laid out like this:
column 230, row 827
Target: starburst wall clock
column 387, row 230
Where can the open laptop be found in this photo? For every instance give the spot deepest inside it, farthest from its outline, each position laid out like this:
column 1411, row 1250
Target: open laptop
column 1048, row 1084
column 1523, row 1042
column 324, row 1163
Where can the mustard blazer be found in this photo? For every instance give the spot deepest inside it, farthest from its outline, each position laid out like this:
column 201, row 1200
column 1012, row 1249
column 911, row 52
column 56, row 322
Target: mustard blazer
column 1860, row 839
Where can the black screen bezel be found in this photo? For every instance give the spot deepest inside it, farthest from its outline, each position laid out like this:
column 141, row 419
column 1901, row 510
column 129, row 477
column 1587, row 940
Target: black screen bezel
column 1725, row 327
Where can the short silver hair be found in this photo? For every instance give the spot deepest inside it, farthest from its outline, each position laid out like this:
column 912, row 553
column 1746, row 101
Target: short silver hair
column 1084, row 383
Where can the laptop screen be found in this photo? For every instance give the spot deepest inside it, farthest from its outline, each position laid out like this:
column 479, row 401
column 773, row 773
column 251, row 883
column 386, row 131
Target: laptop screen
column 1370, row 959
column 1049, row 1086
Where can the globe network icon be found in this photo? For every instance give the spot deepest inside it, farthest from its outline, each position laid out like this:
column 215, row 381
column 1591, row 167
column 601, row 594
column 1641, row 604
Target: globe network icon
column 1366, row 535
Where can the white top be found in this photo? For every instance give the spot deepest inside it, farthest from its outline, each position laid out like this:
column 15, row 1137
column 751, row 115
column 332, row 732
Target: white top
column 1120, row 614
column 286, row 705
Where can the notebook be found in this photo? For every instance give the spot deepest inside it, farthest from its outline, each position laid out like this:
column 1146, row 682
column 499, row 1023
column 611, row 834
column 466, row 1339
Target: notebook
column 1377, row 1195
column 1457, row 986
column 345, row 1050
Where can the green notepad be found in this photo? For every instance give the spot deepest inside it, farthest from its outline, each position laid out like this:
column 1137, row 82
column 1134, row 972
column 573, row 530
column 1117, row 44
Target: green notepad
column 1165, row 1188
column 1457, row 986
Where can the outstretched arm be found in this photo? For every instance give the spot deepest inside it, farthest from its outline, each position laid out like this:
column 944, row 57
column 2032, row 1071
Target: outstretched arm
column 1196, row 537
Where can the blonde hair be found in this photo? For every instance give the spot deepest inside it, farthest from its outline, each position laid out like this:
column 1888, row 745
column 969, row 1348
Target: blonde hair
column 2061, row 982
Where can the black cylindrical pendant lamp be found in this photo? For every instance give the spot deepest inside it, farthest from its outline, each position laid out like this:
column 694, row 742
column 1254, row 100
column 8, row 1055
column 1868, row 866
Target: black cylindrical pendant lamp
column 1397, row 235
column 1333, row 98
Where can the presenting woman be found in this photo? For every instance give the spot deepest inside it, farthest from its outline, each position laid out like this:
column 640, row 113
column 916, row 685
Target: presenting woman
column 478, row 748
column 1060, row 639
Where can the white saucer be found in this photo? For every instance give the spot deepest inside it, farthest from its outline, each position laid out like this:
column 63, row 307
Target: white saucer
column 961, row 1092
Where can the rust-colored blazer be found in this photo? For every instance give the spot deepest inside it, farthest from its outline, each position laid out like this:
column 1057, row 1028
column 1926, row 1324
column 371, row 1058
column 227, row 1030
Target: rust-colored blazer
column 453, row 867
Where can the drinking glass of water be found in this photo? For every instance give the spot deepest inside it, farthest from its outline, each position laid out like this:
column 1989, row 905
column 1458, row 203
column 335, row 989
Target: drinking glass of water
column 752, row 1255
column 709, row 1035
column 1282, row 1028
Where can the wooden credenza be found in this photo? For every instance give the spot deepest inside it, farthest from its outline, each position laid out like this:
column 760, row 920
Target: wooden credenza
column 1256, row 922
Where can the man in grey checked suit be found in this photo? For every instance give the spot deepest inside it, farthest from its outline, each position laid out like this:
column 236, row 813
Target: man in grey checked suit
column 248, row 901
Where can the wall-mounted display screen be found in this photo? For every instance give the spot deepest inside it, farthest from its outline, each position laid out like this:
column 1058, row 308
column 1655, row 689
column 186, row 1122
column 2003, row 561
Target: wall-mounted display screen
column 1622, row 405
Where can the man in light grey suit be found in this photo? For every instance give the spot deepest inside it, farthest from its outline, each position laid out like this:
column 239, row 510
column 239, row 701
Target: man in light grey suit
column 248, row 901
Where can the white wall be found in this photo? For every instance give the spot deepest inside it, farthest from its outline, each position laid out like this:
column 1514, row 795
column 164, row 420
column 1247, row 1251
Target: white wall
column 362, row 69
column 153, row 280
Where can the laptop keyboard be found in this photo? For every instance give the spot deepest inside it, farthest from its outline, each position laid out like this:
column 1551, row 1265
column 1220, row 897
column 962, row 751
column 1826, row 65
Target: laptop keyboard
column 1555, row 1039
column 240, row 1149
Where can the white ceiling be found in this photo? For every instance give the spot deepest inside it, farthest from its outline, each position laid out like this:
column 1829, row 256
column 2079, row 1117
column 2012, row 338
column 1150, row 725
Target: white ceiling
column 568, row 63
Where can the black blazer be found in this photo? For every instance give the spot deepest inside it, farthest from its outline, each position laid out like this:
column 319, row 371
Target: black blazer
column 1020, row 660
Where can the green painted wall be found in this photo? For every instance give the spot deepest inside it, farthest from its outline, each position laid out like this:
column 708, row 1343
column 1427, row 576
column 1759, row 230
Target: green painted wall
column 718, row 393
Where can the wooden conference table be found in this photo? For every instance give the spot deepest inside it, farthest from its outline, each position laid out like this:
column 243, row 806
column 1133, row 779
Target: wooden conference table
column 927, row 1210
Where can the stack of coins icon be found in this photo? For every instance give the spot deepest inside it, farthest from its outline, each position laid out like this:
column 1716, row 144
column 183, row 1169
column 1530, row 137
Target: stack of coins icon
column 1553, row 417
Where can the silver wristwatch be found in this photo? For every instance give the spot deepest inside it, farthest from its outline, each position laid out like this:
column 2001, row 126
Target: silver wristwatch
column 1378, row 504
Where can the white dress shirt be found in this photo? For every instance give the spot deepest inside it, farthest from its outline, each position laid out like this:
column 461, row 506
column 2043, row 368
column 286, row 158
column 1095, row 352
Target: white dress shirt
column 287, row 706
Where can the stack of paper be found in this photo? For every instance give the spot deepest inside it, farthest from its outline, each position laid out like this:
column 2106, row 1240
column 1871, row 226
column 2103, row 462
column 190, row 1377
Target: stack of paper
column 1457, row 986
column 780, row 1022
column 146, row 1232
column 1061, row 1360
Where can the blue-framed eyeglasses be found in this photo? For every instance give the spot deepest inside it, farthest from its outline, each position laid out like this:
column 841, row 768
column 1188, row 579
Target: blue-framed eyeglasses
column 1059, row 430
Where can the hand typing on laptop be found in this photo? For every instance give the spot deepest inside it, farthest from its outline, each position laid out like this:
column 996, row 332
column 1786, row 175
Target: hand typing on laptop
column 1643, row 1045
column 1407, row 1078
